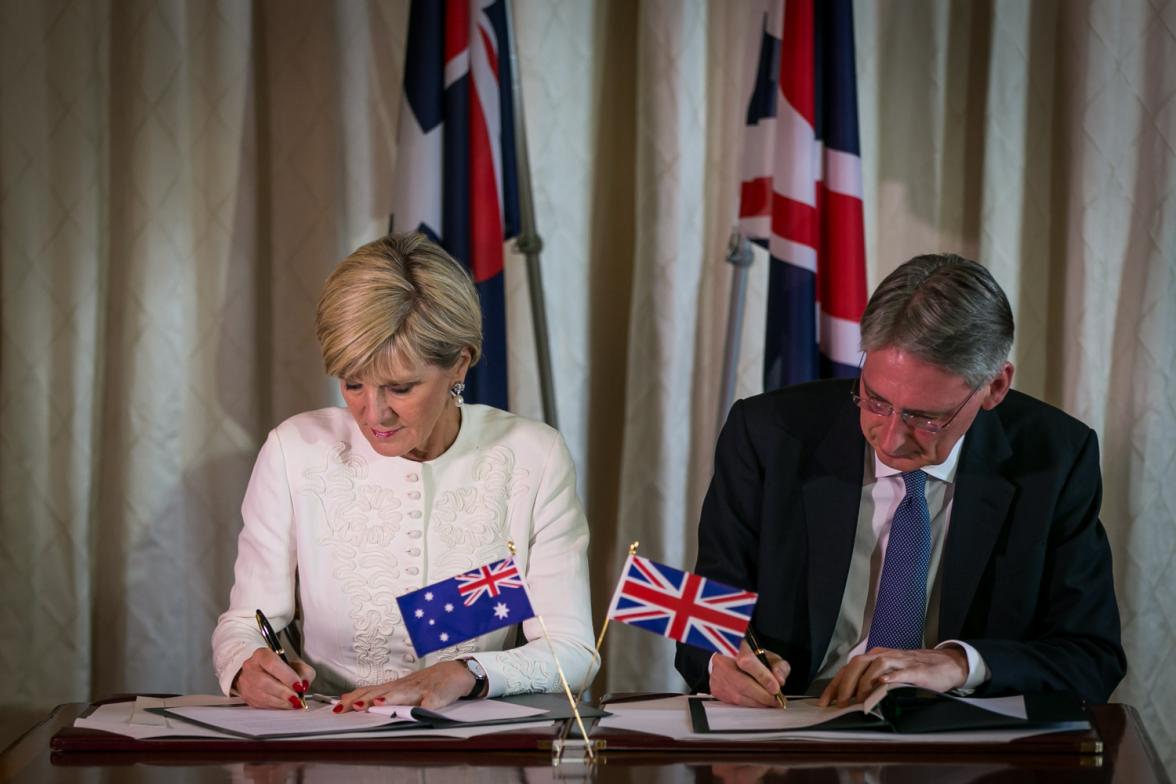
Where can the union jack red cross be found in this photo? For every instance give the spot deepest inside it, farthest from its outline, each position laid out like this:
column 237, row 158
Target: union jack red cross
column 489, row 580
column 682, row 606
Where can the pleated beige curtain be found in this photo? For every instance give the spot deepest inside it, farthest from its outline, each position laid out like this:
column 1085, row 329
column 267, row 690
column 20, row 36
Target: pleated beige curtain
column 176, row 178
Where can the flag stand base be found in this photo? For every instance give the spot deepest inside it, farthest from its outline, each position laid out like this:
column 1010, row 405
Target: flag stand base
column 574, row 753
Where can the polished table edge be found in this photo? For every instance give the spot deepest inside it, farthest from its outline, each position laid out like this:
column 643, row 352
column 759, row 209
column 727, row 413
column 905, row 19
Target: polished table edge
column 69, row 740
column 33, row 727
column 1129, row 756
column 412, row 751
column 34, row 741
column 1147, row 747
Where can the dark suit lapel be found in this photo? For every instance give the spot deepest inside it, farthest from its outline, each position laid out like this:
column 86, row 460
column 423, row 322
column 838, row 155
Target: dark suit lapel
column 832, row 486
column 982, row 498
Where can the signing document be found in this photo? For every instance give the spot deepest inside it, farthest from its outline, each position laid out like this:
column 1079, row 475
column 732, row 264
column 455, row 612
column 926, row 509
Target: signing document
column 319, row 719
column 213, row 716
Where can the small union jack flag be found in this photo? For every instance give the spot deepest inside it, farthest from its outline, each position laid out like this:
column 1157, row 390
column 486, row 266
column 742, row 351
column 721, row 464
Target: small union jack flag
column 682, row 606
column 489, row 580
column 465, row 606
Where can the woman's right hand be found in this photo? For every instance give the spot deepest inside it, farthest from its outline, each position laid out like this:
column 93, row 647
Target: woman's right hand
column 265, row 681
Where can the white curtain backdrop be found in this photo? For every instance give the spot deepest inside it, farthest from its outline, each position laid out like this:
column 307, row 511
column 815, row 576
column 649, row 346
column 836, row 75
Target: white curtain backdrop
column 177, row 177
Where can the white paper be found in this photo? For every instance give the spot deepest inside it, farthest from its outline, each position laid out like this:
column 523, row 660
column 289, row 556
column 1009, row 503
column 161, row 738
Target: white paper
column 805, row 713
column 116, row 718
column 666, row 716
column 143, row 717
column 448, row 732
column 487, row 710
column 466, row 711
column 263, row 722
column 670, row 717
column 1013, row 706
column 721, row 717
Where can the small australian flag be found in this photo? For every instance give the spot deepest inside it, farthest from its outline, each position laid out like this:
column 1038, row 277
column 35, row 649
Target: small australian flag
column 466, row 606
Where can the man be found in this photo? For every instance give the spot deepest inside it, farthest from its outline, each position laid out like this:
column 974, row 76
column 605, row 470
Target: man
column 922, row 524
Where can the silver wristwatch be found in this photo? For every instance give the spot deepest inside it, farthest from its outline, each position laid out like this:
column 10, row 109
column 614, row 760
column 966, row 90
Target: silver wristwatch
column 480, row 677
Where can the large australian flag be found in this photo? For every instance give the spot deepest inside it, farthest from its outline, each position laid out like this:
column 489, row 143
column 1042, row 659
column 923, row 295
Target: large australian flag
column 456, row 178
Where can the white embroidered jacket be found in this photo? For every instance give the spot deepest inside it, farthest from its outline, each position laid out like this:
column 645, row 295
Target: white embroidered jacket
column 359, row 529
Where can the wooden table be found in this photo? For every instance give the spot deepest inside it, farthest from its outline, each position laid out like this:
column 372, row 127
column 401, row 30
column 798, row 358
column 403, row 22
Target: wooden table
column 1128, row 756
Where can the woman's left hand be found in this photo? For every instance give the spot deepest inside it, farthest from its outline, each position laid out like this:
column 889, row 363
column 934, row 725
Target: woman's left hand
column 432, row 687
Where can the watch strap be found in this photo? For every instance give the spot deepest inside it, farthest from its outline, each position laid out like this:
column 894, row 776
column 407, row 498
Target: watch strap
column 480, row 677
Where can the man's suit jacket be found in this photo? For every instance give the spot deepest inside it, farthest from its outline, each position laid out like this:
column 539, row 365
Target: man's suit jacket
column 1026, row 568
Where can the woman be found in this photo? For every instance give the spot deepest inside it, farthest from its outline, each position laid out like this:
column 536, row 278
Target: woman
column 349, row 508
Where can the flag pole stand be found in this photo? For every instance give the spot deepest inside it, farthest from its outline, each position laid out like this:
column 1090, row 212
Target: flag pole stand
column 564, row 749
column 600, row 638
column 557, row 748
column 740, row 258
column 588, row 676
column 528, row 242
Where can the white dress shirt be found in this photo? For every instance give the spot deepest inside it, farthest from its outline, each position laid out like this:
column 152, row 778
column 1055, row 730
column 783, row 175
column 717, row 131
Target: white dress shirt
column 348, row 530
column 882, row 490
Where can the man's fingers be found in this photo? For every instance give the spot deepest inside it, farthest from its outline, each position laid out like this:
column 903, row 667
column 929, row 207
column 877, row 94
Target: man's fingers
column 731, row 684
column 871, row 678
column 847, row 680
column 829, row 692
column 780, row 668
column 848, row 686
column 750, row 664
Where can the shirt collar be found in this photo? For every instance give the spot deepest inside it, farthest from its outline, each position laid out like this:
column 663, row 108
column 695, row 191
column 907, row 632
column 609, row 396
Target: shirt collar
column 944, row 472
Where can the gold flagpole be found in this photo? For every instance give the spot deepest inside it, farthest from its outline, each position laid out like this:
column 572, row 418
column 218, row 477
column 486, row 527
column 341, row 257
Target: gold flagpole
column 600, row 639
column 588, row 676
column 510, row 545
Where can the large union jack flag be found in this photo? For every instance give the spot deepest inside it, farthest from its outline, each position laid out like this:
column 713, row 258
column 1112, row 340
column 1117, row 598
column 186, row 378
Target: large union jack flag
column 465, row 606
column 682, row 606
column 456, row 172
column 802, row 190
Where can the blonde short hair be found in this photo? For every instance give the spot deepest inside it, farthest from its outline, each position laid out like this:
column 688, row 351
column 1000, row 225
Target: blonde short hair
column 399, row 298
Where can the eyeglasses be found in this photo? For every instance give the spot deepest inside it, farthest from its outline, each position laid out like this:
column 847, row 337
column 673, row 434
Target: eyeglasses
column 926, row 424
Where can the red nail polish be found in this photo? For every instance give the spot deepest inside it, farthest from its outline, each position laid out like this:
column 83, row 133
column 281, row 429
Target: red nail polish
column 379, row 699
column 299, row 686
column 337, row 709
column 359, row 703
column 305, row 685
column 294, row 702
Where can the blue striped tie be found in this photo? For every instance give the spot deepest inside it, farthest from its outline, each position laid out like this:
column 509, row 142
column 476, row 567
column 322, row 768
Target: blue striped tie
column 902, row 590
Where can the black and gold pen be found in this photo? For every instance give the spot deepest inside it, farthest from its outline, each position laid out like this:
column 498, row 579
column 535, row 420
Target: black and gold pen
column 271, row 639
column 762, row 655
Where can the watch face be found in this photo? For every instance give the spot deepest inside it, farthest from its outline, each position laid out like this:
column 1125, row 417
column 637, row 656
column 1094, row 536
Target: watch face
column 477, row 669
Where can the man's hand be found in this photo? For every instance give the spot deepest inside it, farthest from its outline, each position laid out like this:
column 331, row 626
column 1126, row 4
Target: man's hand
column 266, row 682
column 744, row 680
column 432, row 687
column 939, row 670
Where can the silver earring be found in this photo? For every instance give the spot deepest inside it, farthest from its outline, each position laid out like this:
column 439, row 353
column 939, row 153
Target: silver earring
column 455, row 391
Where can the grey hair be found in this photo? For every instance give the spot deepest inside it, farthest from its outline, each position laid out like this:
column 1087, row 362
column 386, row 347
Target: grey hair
column 946, row 310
